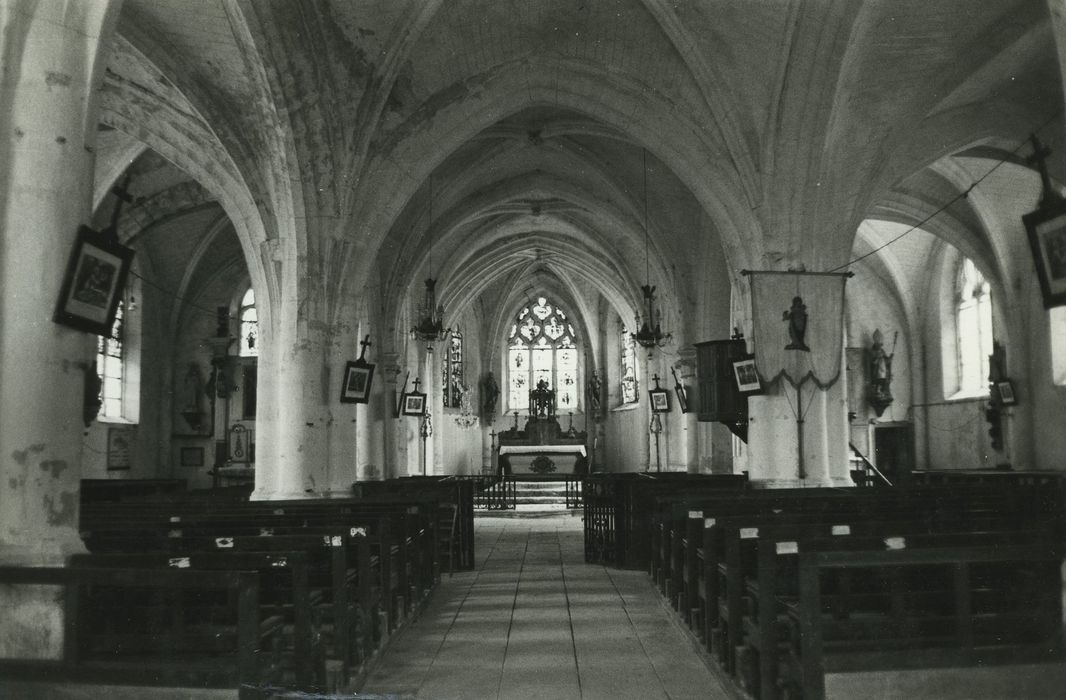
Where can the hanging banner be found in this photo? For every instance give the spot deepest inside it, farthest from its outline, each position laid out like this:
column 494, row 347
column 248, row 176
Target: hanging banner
column 798, row 324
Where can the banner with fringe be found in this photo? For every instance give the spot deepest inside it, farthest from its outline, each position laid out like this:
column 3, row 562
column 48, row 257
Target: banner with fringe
column 798, row 325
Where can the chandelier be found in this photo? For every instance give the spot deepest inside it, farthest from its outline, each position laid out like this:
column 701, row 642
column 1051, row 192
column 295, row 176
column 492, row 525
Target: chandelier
column 651, row 333
column 430, row 326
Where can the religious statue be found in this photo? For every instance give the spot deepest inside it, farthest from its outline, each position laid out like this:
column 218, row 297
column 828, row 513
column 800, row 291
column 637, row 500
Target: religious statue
column 797, row 325
column 595, row 389
column 881, row 372
column 490, row 393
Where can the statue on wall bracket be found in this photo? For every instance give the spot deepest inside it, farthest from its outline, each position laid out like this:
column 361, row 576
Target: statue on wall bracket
column 881, row 372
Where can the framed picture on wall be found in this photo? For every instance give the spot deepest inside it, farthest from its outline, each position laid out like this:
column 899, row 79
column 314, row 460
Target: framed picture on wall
column 682, row 397
column 660, row 400
column 1005, row 393
column 358, row 376
column 119, row 445
column 93, row 283
column 192, row 456
column 1047, row 241
column 413, row 404
column 747, row 376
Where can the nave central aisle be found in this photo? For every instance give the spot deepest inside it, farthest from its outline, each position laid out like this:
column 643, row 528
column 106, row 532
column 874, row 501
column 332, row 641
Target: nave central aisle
column 535, row 621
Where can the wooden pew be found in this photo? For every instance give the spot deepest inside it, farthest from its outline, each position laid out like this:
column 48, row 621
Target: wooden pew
column 231, row 651
column 705, row 558
column 284, row 591
column 675, row 564
column 618, row 511
column 408, row 554
column 1026, row 631
column 353, row 586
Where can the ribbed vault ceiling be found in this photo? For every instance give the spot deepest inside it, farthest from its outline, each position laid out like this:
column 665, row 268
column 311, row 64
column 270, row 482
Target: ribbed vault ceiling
column 770, row 131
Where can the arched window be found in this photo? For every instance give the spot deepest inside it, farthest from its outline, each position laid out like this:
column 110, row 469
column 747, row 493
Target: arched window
column 1057, row 327
column 452, row 371
column 110, row 364
column 542, row 346
column 628, row 368
column 249, row 340
column 973, row 318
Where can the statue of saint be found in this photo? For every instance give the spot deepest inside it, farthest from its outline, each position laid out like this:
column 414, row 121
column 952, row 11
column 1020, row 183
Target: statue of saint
column 490, row 393
column 595, row 389
column 880, row 363
column 797, row 325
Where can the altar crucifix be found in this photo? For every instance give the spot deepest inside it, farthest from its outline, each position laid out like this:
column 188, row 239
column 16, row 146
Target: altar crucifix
column 542, row 401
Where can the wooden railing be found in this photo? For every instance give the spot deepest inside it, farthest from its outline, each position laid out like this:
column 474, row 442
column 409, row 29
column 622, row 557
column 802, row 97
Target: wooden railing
column 500, row 492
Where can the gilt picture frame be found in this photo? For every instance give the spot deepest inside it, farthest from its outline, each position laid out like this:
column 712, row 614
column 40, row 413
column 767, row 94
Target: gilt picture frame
column 93, row 283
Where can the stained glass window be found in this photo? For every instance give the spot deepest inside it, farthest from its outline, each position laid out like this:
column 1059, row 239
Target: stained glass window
column 452, row 371
column 110, row 361
column 628, row 368
column 542, row 346
column 249, row 340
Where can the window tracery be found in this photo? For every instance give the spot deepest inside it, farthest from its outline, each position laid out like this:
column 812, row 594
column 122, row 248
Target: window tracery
column 542, row 345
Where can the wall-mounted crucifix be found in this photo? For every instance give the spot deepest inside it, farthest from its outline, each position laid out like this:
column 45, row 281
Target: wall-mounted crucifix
column 1048, row 195
column 122, row 193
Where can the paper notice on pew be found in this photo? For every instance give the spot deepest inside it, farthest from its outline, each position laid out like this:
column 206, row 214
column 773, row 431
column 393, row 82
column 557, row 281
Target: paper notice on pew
column 332, row 540
column 695, row 514
column 224, row 542
column 749, row 533
column 896, row 542
column 708, row 522
column 787, row 547
column 178, row 563
column 841, row 530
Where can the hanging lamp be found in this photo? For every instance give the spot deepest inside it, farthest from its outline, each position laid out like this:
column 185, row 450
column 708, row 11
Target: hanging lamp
column 430, row 326
column 651, row 333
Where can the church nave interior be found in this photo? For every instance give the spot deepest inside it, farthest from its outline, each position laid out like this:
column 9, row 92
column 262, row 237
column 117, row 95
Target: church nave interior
column 309, row 250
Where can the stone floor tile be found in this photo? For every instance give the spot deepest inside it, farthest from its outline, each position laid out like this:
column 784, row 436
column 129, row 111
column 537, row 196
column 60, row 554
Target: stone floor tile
column 536, row 621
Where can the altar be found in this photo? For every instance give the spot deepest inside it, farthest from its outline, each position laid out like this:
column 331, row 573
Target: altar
column 556, row 458
column 542, row 446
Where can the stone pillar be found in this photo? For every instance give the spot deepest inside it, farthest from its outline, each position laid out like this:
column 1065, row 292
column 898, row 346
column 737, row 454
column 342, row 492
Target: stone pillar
column 775, row 435
column 47, row 133
column 798, row 430
column 307, row 440
column 393, row 447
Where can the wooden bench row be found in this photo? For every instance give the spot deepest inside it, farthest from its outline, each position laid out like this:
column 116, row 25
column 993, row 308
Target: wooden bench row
column 330, row 581
column 783, row 586
column 618, row 511
column 168, row 647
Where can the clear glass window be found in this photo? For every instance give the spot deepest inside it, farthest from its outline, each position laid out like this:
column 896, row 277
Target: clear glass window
column 973, row 317
column 249, row 340
column 110, row 362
